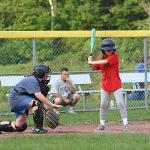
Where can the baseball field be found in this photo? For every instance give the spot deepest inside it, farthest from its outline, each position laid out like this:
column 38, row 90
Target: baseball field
column 77, row 131
column 102, row 44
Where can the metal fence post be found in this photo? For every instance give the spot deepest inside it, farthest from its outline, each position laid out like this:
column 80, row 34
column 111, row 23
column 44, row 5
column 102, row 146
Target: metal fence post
column 34, row 52
column 146, row 70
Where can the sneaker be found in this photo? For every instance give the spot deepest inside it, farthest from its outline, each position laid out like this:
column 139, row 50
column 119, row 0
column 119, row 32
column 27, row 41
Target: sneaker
column 100, row 128
column 71, row 110
column 125, row 128
column 39, row 131
column 57, row 111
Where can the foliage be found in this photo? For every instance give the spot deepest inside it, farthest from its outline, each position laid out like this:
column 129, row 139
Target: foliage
column 102, row 14
column 72, row 15
column 24, row 15
column 71, row 52
column 14, row 52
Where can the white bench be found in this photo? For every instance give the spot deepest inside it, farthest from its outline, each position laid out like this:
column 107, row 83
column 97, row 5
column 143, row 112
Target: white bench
column 83, row 79
column 133, row 78
column 78, row 79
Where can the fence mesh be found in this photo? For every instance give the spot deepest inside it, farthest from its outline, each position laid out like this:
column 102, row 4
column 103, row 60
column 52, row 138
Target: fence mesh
column 19, row 55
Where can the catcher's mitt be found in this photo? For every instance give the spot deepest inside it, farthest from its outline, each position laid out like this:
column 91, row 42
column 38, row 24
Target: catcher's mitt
column 51, row 118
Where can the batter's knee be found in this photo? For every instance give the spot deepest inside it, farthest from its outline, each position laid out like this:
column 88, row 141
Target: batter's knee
column 103, row 106
column 121, row 105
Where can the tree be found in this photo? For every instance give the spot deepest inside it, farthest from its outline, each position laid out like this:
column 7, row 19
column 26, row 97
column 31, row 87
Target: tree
column 25, row 15
column 53, row 12
column 102, row 14
column 72, row 15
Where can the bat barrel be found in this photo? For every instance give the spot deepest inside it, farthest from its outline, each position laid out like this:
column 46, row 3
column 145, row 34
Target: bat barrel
column 92, row 39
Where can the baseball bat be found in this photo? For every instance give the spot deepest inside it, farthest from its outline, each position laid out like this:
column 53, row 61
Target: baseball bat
column 93, row 33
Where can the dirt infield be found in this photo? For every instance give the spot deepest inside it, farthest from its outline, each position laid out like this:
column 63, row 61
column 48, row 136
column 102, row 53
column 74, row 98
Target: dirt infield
column 134, row 127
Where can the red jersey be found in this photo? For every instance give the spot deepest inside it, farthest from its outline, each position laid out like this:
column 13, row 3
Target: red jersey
column 110, row 73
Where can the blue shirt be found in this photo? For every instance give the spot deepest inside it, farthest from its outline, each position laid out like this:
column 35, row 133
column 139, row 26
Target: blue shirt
column 27, row 86
column 140, row 67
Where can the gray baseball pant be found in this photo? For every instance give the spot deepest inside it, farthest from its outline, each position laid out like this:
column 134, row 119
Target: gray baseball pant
column 105, row 101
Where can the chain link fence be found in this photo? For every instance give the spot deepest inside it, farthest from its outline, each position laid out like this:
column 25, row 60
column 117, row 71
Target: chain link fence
column 18, row 56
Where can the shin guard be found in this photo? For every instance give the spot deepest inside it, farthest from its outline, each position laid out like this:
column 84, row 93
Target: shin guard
column 7, row 128
column 38, row 117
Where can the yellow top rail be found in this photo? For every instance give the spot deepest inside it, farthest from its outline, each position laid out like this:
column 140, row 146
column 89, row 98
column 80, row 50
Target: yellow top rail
column 65, row 34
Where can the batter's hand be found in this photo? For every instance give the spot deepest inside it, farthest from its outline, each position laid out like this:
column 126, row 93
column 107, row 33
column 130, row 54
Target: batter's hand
column 90, row 58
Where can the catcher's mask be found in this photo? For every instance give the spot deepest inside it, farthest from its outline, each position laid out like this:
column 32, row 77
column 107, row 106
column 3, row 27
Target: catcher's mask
column 40, row 70
column 108, row 44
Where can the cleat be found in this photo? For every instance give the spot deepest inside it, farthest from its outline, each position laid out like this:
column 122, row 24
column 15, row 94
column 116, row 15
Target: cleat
column 39, row 131
column 100, row 128
column 125, row 128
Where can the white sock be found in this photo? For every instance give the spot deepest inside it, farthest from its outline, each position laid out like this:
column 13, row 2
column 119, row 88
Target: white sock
column 125, row 121
column 70, row 107
column 102, row 122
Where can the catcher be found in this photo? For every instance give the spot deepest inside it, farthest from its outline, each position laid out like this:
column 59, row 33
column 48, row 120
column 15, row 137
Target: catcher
column 30, row 93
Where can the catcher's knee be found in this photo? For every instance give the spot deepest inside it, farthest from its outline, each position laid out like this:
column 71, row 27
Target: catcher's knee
column 22, row 128
column 34, row 104
column 9, row 128
column 37, row 104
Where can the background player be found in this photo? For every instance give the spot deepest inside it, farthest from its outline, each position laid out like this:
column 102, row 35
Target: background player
column 64, row 91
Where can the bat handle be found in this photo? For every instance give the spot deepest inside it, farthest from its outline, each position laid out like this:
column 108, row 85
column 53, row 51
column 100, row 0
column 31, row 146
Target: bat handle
column 90, row 54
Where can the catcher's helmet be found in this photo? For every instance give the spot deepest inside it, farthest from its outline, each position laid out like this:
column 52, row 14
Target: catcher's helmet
column 40, row 70
column 108, row 44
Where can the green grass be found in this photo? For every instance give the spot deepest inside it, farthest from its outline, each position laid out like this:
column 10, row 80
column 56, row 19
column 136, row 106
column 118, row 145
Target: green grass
column 16, row 68
column 110, row 141
column 77, row 142
column 93, row 117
